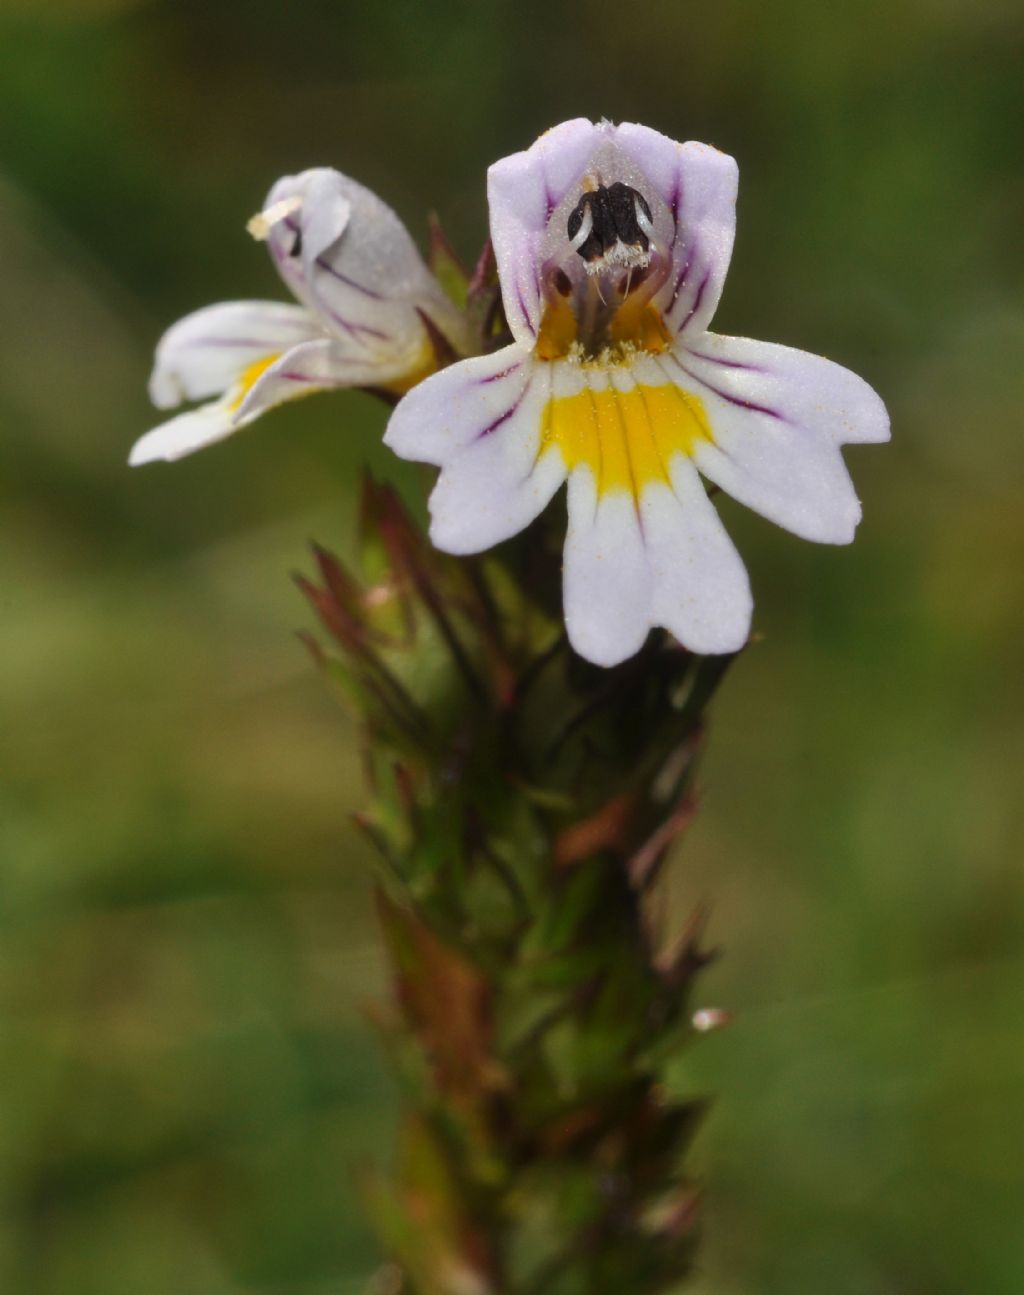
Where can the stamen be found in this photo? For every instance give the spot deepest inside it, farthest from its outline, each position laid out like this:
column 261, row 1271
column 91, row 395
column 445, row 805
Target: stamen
column 643, row 217
column 583, row 233
column 264, row 221
column 633, row 278
column 612, row 230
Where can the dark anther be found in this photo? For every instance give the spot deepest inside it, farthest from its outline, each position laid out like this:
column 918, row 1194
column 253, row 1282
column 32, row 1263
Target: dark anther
column 563, row 284
column 296, row 247
column 613, row 214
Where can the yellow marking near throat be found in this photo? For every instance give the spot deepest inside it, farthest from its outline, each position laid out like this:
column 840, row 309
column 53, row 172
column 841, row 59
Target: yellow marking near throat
column 636, row 326
column 557, row 331
column 251, row 374
column 627, row 439
column 420, row 367
column 640, row 325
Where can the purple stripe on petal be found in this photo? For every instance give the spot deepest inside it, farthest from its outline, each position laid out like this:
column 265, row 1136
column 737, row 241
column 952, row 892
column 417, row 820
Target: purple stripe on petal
column 725, row 395
column 355, row 330
column 674, row 202
column 317, row 380
column 290, row 223
column 349, row 283
column 692, row 256
column 523, row 310
column 696, row 301
column 496, row 377
column 680, row 280
column 549, row 197
column 504, row 417
column 726, row 364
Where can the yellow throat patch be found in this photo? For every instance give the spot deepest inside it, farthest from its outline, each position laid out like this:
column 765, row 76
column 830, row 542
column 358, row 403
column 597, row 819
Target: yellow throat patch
column 251, row 374
column 626, row 438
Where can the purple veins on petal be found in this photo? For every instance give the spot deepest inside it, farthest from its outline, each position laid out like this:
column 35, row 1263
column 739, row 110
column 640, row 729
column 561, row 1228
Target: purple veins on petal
column 507, row 414
column 677, row 193
column 682, row 276
column 726, row 364
column 725, row 395
column 523, row 310
column 673, row 206
column 549, row 197
column 349, row 283
column 293, row 226
column 696, row 300
column 496, row 377
column 356, row 329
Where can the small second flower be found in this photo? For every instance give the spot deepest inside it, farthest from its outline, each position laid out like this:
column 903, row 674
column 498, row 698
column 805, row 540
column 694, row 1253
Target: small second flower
column 370, row 314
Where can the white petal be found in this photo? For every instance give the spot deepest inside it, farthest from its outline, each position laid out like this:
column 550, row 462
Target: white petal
column 456, row 406
column 303, row 369
column 784, row 470
column 349, row 258
column 497, row 483
column 314, row 366
column 698, row 183
column 607, row 583
column 808, row 389
column 184, row 434
column 522, row 192
column 205, row 353
column 700, row 588
column 655, row 553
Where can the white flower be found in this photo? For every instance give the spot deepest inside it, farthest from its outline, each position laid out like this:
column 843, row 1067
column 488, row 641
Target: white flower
column 365, row 295
column 612, row 244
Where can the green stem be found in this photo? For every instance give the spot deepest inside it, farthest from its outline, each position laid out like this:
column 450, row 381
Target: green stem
column 524, row 801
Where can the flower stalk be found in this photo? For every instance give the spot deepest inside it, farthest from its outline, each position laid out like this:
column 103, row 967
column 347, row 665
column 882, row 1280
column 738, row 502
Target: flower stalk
column 522, row 802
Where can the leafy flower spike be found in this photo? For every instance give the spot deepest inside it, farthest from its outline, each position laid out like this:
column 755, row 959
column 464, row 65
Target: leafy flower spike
column 612, row 244
column 371, row 315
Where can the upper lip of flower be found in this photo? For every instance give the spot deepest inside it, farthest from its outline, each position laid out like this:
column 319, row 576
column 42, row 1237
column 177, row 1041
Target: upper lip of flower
column 612, row 245
column 666, row 216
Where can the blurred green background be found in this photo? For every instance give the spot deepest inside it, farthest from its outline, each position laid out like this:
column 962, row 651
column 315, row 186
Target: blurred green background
column 186, row 1079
